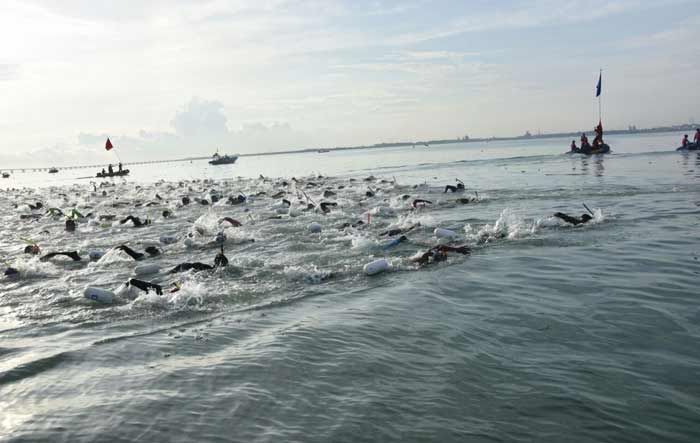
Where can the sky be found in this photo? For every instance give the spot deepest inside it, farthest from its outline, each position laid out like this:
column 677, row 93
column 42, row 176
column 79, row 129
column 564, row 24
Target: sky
column 176, row 78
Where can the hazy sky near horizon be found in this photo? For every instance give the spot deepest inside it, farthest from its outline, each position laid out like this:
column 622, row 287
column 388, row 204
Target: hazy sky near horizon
column 183, row 77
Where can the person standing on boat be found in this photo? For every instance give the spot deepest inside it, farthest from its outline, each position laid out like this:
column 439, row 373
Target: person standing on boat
column 120, row 166
column 697, row 137
column 598, row 140
column 685, row 141
column 574, row 148
column 110, row 169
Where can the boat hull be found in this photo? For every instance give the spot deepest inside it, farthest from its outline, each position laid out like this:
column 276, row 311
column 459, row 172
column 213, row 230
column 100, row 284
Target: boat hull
column 226, row 160
column 601, row 149
column 689, row 147
column 113, row 174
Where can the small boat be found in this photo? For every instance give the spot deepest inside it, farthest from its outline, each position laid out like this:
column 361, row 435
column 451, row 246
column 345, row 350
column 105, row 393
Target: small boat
column 590, row 150
column 53, row 170
column 5, row 175
column 689, row 147
column 121, row 173
column 321, row 151
column 217, row 159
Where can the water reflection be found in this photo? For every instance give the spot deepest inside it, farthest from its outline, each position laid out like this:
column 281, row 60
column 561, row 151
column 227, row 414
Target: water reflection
column 690, row 167
column 598, row 165
column 596, row 161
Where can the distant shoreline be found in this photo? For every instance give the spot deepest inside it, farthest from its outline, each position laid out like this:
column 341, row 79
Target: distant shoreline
column 527, row 136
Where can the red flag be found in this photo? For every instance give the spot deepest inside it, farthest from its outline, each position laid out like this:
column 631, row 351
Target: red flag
column 108, row 145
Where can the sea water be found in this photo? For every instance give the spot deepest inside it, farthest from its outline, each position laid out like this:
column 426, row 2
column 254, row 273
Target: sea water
column 545, row 332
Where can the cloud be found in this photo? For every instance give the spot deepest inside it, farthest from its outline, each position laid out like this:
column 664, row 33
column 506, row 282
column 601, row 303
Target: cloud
column 8, row 71
column 199, row 128
column 200, row 119
column 527, row 15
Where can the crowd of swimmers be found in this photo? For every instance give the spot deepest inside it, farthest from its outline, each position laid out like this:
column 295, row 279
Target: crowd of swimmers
column 398, row 236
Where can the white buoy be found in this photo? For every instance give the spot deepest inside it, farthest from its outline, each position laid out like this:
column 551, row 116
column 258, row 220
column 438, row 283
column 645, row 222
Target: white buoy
column 376, row 267
column 146, row 269
column 99, row 295
column 444, row 233
column 314, row 227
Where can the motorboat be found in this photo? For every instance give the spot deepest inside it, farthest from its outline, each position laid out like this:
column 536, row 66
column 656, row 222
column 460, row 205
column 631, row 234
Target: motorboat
column 223, row 159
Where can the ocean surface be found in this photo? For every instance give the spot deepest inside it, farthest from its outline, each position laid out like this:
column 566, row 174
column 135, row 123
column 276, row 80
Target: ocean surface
column 546, row 332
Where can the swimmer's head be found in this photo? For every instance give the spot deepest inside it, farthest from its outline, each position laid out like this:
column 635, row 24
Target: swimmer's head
column 586, row 217
column 152, row 251
column 70, row 225
column 32, row 249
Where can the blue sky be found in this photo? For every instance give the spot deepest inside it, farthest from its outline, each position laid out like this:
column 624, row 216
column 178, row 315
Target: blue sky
column 173, row 78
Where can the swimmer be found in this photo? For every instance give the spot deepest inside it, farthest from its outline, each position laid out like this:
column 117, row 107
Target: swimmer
column 11, row 272
column 54, row 212
column 183, row 267
column 71, row 254
column 240, row 199
column 136, row 221
column 235, row 223
column 357, row 224
column 573, row 220
column 397, row 231
column 326, row 205
column 145, row 286
column 32, row 249
column 219, row 261
column 439, row 253
column 185, row 201
column 394, row 242
column 279, row 194
column 420, row 202
column 328, row 193
column 70, row 225
column 152, row 251
column 458, row 188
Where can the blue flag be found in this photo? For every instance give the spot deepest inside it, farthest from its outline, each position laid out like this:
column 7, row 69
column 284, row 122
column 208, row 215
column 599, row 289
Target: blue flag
column 600, row 84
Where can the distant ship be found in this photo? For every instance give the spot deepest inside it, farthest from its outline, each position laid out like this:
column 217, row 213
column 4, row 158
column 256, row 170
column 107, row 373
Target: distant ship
column 321, row 151
column 217, row 159
column 53, row 170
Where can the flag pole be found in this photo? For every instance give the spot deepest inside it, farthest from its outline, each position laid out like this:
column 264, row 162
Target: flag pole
column 600, row 114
